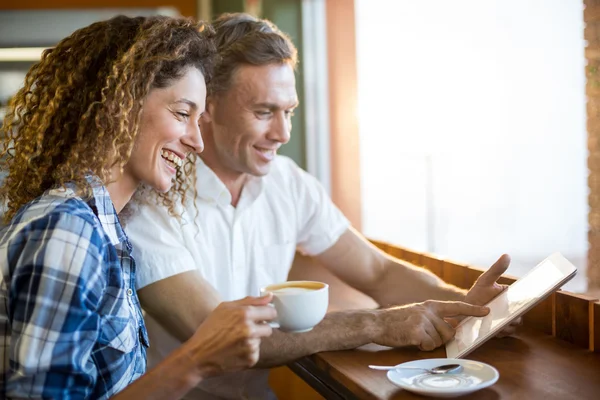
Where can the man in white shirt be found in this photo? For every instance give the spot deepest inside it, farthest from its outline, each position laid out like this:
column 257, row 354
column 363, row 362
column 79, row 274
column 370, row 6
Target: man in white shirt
column 254, row 209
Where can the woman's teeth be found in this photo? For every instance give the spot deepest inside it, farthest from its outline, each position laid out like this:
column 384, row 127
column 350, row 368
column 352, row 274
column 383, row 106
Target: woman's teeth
column 172, row 159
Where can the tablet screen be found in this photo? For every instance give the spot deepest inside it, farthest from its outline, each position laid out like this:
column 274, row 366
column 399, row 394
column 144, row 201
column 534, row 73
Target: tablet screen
column 522, row 295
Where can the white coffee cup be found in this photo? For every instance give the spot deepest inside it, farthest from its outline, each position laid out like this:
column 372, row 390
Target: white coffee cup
column 300, row 305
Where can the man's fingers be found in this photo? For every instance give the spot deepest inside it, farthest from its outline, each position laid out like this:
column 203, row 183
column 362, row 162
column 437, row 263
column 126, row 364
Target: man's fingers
column 517, row 322
column 427, row 344
column 458, row 308
column 453, row 322
column 443, row 329
column 509, row 330
column 433, row 333
column 491, row 275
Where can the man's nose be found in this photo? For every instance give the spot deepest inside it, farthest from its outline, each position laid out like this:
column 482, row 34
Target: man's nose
column 281, row 129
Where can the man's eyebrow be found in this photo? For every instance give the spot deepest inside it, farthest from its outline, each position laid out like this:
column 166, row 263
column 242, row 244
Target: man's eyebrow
column 273, row 106
column 188, row 102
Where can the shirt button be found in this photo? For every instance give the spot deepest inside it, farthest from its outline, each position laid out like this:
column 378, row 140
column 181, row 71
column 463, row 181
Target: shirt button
column 129, row 292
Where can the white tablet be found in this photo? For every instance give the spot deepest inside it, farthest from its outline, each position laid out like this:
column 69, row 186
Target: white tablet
column 547, row 277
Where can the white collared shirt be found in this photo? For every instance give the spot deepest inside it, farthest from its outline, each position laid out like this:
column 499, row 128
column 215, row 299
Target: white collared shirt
column 238, row 250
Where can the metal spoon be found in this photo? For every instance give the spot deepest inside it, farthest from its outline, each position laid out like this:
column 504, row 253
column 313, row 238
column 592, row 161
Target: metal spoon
column 442, row 369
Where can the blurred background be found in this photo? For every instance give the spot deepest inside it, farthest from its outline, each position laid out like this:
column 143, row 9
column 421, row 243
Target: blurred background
column 456, row 128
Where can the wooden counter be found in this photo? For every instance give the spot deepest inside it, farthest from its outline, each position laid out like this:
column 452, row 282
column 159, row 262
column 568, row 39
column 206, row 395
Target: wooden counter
column 532, row 365
column 554, row 356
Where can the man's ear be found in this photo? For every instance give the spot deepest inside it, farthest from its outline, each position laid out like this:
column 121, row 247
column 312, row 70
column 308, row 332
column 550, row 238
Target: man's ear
column 209, row 110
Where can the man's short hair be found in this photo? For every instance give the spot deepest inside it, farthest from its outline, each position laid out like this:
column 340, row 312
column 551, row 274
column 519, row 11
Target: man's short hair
column 243, row 39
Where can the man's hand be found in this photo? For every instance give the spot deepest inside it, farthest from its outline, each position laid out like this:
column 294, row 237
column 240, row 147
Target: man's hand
column 486, row 288
column 421, row 324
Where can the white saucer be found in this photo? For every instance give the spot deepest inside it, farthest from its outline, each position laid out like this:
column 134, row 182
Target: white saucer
column 474, row 376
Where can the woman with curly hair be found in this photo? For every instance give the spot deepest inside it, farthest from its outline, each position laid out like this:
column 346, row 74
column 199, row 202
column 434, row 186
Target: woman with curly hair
column 112, row 107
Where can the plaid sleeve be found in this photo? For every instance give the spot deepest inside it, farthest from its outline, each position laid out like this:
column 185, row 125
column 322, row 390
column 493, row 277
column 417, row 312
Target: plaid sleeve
column 57, row 283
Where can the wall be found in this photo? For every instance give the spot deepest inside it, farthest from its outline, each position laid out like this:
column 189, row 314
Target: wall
column 344, row 137
column 592, row 53
column 472, row 127
column 185, row 7
column 285, row 13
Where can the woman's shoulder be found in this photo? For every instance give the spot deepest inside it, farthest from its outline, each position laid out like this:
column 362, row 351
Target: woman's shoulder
column 53, row 204
column 54, row 211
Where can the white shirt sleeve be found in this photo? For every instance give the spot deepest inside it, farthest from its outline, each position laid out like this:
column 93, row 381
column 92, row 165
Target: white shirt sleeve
column 158, row 245
column 320, row 222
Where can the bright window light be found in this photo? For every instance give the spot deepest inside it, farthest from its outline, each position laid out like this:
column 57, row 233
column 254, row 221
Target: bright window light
column 472, row 127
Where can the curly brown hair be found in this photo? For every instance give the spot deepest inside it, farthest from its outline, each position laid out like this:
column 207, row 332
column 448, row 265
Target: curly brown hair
column 79, row 111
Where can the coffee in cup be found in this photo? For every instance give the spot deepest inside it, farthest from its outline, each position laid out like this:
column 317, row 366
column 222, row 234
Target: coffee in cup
column 300, row 305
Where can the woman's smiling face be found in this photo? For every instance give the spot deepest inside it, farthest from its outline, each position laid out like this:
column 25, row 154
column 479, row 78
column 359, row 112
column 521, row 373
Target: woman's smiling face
column 169, row 131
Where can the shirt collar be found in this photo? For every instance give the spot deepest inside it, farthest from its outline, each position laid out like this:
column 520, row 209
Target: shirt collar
column 104, row 209
column 210, row 188
column 102, row 205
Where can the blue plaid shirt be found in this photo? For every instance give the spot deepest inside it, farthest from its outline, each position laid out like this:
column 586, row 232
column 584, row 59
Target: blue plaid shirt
column 70, row 322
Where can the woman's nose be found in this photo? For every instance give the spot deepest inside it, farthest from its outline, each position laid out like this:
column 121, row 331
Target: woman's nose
column 194, row 139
